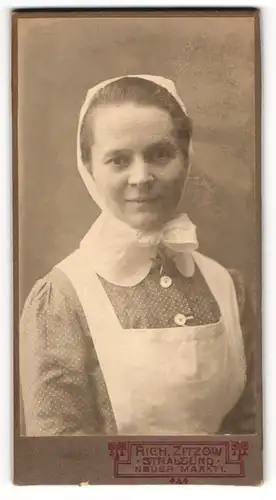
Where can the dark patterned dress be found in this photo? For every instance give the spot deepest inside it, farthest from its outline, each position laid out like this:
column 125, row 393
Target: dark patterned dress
column 63, row 391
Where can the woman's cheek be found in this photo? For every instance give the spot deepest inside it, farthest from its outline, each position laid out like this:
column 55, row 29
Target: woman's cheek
column 107, row 181
column 173, row 183
column 174, row 174
column 115, row 187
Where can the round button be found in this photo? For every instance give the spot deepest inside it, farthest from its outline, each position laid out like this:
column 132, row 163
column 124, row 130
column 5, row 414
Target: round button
column 165, row 281
column 180, row 319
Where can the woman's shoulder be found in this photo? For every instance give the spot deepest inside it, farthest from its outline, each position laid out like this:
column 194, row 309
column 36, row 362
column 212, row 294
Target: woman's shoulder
column 240, row 287
column 52, row 295
column 52, row 323
column 231, row 275
column 219, row 269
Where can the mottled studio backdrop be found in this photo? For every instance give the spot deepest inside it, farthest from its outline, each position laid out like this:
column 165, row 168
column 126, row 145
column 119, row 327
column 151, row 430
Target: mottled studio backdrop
column 212, row 62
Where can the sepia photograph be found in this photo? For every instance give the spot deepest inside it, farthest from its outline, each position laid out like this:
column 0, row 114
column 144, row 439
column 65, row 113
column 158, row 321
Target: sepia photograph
column 138, row 225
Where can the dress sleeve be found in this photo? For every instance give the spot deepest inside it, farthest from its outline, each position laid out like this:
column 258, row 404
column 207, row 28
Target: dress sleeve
column 242, row 418
column 54, row 366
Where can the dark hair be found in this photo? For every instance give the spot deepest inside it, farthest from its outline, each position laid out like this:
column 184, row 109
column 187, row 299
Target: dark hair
column 142, row 92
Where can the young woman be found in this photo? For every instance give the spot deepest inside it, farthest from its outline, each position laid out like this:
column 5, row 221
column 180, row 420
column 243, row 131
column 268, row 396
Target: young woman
column 137, row 332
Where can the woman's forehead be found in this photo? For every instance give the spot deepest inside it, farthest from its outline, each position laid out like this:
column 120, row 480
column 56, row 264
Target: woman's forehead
column 127, row 125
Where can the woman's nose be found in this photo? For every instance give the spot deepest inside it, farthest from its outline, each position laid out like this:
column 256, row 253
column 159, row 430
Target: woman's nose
column 139, row 172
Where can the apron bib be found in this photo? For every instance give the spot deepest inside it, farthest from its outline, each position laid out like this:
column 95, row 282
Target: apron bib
column 180, row 380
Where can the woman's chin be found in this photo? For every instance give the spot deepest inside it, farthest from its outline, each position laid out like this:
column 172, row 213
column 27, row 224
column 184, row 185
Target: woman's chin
column 145, row 222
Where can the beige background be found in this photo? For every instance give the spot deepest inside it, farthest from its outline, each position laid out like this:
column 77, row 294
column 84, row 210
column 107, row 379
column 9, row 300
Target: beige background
column 212, row 63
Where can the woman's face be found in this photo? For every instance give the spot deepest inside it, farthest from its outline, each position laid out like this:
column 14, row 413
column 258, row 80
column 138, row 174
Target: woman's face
column 137, row 165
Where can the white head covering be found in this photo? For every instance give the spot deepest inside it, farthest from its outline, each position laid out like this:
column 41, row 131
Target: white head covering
column 117, row 252
column 85, row 175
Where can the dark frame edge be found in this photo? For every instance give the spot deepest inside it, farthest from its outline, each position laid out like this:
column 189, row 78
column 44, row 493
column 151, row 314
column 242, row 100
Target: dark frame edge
column 15, row 231
column 84, row 11
column 15, row 16
column 258, row 212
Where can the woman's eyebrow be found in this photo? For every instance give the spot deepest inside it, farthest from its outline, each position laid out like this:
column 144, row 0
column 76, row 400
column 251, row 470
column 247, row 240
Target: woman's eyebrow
column 115, row 152
column 162, row 142
column 166, row 142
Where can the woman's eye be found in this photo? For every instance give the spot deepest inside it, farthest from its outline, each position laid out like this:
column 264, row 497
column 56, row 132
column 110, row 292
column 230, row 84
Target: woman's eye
column 162, row 154
column 121, row 161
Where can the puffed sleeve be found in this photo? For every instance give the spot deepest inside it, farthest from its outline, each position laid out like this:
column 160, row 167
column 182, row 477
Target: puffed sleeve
column 242, row 418
column 57, row 390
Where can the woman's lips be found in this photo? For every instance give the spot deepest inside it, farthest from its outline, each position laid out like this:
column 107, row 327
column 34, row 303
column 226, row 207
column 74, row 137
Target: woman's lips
column 143, row 199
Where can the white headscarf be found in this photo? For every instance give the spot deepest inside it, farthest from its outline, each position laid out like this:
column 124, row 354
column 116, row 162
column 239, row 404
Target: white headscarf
column 117, row 252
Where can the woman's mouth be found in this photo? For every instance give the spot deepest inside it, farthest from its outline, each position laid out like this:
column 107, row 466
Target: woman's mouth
column 143, row 199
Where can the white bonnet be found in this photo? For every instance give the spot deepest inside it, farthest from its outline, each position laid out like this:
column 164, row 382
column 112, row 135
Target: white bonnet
column 85, row 175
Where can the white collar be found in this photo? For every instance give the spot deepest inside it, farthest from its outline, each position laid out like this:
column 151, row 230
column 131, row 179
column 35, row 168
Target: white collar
column 123, row 256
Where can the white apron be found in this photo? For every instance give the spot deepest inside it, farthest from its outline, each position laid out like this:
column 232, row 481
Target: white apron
column 180, row 380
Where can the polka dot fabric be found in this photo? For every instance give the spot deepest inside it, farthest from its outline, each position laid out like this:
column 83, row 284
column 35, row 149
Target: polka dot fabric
column 63, row 390
column 149, row 305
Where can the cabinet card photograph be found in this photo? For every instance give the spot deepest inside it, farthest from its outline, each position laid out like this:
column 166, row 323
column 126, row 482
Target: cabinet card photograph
column 137, row 247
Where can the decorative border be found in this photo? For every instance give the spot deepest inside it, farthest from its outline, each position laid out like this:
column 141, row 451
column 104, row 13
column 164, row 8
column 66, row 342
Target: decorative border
column 178, row 460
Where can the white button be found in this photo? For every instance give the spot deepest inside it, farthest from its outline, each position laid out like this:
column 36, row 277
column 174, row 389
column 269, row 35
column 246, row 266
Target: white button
column 165, row 281
column 180, row 319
